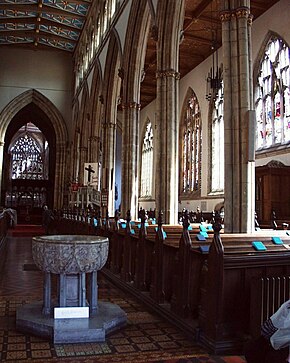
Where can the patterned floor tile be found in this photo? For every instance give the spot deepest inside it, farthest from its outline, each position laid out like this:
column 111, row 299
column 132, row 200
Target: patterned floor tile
column 146, row 338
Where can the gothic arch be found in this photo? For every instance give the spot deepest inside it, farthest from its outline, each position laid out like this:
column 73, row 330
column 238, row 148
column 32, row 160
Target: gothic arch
column 83, row 125
column 95, row 111
column 33, row 96
column 261, row 52
column 134, row 50
column 17, row 104
column 193, row 192
column 132, row 71
column 111, row 93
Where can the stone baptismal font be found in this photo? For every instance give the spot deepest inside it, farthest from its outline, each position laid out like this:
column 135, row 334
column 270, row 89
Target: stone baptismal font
column 75, row 316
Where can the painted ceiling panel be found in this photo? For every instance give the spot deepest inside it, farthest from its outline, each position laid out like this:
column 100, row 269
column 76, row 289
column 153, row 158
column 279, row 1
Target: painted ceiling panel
column 43, row 23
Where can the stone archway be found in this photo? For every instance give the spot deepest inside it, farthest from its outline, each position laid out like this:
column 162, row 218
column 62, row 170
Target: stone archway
column 58, row 124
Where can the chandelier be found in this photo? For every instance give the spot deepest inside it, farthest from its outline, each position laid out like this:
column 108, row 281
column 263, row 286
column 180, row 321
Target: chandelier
column 214, row 79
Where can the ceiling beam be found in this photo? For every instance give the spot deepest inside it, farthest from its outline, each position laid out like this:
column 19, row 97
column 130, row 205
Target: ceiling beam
column 47, row 22
column 197, row 39
column 35, row 35
column 43, row 9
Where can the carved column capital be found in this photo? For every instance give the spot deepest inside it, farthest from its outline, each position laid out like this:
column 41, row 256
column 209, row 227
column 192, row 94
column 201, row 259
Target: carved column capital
column 242, row 12
column 131, row 105
column 225, row 16
column 168, row 73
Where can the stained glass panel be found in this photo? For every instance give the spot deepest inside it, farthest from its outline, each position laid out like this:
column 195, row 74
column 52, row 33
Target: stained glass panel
column 26, row 159
column 147, row 162
column 191, row 147
column 217, row 173
column 272, row 96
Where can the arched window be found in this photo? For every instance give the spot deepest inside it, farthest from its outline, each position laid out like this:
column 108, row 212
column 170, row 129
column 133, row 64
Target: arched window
column 147, row 162
column 29, row 155
column 273, row 95
column 191, row 146
column 217, row 144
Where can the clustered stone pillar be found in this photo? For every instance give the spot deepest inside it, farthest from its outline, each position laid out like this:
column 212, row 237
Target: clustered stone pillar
column 239, row 117
column 166, row 177
column 1, row 169
column 94, row 147
column 83, row 160
column 60, row 173
column 109, row 164
column 130, row 158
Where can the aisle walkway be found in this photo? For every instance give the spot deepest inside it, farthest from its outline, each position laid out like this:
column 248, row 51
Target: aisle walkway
column 147, row 338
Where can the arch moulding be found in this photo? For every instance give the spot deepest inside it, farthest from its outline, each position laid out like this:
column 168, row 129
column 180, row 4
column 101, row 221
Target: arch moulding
column 57, row 121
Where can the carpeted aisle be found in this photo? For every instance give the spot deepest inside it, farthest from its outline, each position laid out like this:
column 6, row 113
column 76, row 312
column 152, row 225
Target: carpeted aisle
column 26, row 230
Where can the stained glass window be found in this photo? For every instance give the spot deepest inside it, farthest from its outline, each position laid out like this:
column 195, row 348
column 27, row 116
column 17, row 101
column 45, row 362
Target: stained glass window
column 273, row 95
column 191, row 146
column 26, row 159
column 217, row 143
column 147, row 162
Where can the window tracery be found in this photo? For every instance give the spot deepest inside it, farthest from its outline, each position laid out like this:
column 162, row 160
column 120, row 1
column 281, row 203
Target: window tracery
column 273, row 95
column 147, row 162
column 191, row 147
column 26, row 159
column 217, row 144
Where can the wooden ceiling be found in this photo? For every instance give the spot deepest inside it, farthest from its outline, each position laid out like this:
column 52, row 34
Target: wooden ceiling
column 57, row 24
column 201, row 26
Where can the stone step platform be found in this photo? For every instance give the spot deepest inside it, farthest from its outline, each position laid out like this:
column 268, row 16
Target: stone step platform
column 109, row 318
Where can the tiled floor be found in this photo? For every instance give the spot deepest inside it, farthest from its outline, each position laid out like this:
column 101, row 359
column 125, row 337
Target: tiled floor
column 146, row 338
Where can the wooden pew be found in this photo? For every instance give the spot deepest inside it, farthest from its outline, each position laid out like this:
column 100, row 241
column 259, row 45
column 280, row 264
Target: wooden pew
column 186, row 284
column 226, row 308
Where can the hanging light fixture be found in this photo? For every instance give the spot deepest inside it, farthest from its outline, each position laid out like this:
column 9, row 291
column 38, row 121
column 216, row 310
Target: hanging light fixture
column 214, row 78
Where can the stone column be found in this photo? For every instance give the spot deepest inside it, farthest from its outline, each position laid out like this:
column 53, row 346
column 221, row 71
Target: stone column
column 130, row 157
column 166, row 135
column 60, row 170
column 83, row 160
column 239, row 117
column 94, row 149
column 1, row 169
column 109, row 164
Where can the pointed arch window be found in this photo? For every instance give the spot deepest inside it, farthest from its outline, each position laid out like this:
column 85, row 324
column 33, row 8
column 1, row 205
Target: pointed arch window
column 191, row 146
column 273, row 95
column 147, row 162
column 217, row 144
column 29, row 155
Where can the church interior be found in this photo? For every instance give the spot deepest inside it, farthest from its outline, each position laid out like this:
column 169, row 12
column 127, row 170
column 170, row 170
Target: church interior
column 162, row 129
